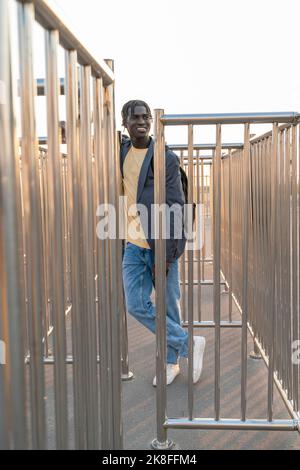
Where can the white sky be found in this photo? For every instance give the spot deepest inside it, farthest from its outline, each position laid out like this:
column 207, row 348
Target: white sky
column 195, row 56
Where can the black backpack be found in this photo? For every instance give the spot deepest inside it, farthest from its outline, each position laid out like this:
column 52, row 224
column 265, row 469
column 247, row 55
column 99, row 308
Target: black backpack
column 185, row 187
column 184, row 178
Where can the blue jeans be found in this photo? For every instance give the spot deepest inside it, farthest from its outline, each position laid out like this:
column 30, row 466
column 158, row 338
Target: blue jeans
column 137, row 279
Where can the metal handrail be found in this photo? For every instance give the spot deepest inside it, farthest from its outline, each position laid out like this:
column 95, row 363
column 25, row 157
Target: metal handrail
column 228, row 118
column 244, row 215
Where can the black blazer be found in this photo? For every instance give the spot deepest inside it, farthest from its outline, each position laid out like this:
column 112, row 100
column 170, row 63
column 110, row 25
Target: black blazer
column 175, row 244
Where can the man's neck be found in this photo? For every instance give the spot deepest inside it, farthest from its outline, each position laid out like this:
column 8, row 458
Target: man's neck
column 141, row 143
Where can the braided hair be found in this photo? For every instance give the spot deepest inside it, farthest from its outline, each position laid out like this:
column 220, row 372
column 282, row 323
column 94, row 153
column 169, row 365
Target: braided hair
column 129, row 107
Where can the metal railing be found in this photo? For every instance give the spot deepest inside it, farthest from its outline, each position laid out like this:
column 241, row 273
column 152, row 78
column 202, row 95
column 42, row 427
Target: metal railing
column 52, row 263
column 255, row 226
column 48, row 215
column 273, row 254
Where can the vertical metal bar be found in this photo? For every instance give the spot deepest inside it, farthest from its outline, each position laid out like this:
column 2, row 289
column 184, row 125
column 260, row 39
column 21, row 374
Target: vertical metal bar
column 258, row 235
column 84, row 148
column 246, row 194
column 286, row 223
column 65, row 204
column 273, row 223
column 103, row 273
column 115, row 266
column 286, row 249
column 282, row 274
column 295, row 260
column 89, row 330
column 100, row 263
column 160, row 268
column 12, row 331
column 298, row 256
column 256, row 306
column 203, row 220
column 182, row 261
column 126, row 374
column 223, row 226
column 216, row 216
column 5, row 401
column 230, row 232
column 264, row 225
column 264, row 230
column 190, row 278
column 277, row 260
column 76, row 263
column 47, row 265
column 105, row 335
column 32, row 224
column 56, row 226
column 43, row 190
column 210, row 205
column 198, row 234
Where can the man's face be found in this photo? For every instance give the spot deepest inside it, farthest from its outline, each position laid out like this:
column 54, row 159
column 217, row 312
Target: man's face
column 138, row 123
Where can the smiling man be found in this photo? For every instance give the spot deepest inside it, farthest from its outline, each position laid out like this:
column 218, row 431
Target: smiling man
column 136, row 160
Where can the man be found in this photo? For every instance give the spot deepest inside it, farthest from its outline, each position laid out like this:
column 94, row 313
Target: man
column 136, row 161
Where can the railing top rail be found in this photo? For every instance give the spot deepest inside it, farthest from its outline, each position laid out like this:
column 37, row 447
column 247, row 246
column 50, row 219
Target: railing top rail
column 230, row 118
column 269, row 134
column 206, row 146
column 47, row 18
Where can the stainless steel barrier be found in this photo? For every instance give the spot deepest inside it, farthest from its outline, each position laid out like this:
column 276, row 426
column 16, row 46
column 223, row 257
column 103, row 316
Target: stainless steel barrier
column 61, row 289
column 273, row 259
column 255, row 191
column 202, row 195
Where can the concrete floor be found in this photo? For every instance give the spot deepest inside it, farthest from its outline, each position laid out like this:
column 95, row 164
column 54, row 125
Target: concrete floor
column 139, row 396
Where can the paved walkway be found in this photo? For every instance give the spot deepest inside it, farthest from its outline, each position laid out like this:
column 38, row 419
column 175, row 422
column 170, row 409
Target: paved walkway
column 139, row 396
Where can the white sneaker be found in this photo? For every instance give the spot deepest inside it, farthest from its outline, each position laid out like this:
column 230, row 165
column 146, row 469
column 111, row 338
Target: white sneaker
column 199, row 346
column 172, row 372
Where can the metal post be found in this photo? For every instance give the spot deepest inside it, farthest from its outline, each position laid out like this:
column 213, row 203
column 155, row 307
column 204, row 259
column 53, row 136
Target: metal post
column 198, row 232
column 115, row 264
column 295, row 272
column 89, row 321
column 126, row 375
column 76, row 258
column 246, row 197
column 56, row 227
column 216, row 266
column 272, row 273
column 103, row 272
column 203, row 221
column 230, row 233
column 256, row 307
column 190, row 278
column 32, row 225
column 161, row 442
column 13, row 432
column 182, row 262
